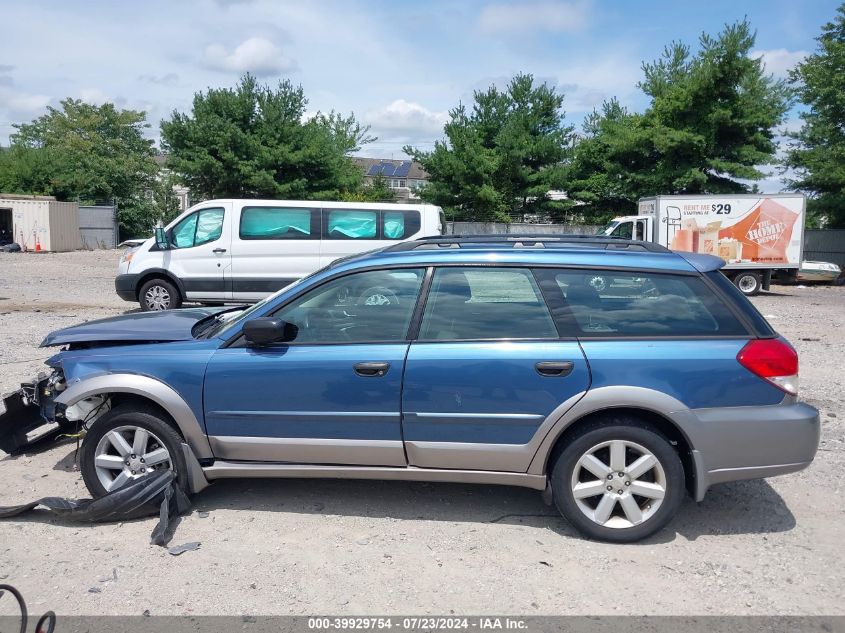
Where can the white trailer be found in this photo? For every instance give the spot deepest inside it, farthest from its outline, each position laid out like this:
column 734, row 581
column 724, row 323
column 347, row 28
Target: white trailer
column 754, row 234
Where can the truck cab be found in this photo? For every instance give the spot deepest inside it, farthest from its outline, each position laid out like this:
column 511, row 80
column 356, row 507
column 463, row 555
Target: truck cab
column 631, row 227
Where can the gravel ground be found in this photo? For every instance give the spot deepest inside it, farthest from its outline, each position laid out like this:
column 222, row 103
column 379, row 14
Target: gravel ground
column 345, row 547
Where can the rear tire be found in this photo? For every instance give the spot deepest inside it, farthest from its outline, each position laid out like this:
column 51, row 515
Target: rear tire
column 749, row 283
column 605, row 506
column 127, row 420
column 159, row 294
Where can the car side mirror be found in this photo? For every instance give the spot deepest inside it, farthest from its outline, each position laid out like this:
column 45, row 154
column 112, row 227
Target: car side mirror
column 161, row 238
column 265, row 330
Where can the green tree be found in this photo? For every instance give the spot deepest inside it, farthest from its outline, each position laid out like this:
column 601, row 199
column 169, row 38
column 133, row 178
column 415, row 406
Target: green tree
column 818, row 149
column 503, row 156
column 709, row 127
column 377, row 190
column 87, row 153
column 251, row 141
column 613, row 164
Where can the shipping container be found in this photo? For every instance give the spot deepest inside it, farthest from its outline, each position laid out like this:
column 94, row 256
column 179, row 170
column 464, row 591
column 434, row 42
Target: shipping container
column 39, row 223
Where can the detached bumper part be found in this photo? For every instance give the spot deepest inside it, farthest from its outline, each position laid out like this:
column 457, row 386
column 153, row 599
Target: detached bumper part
column 20, row 419
column 153, row 493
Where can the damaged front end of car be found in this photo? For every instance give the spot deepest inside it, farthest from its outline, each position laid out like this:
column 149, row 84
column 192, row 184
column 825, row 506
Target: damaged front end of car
column 32, row 416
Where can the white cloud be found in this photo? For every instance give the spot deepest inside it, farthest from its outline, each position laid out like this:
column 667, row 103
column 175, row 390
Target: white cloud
column 406, row 119
column 169, row 79
column 94, row 96
column 18, row 106
column 779, row 61
column 518, row 17
column 587, row 83
column 256, row 55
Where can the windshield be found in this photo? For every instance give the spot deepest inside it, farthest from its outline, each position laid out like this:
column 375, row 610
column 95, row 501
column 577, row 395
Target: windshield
column 608, row 228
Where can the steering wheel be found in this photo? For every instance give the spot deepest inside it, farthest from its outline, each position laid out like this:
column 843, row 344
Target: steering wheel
column 322, row 324
column 377, row 296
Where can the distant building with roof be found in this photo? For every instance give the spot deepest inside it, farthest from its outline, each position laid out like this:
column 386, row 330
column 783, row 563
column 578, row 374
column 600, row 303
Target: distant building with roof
column 404, row 177
column 182, row 193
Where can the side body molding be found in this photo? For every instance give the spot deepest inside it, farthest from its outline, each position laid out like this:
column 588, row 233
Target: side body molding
column 605, row 398
column 163, row 395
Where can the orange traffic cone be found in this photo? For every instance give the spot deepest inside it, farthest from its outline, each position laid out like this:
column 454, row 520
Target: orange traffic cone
column 37, row 245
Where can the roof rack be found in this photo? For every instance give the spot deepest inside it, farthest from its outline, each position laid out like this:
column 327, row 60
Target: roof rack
column 538, row 241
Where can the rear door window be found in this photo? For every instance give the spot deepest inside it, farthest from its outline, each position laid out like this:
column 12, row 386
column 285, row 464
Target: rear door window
column 485, row 303
column 398, row 225
column 611, row 304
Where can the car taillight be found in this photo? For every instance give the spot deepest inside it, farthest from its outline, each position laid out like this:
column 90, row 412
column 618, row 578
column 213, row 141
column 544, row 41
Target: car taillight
column 774, row 360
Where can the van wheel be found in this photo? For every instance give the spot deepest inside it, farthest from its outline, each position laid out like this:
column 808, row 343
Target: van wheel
column 126, row 443
column 618, row 482
column 749, row 283
column 158, row 294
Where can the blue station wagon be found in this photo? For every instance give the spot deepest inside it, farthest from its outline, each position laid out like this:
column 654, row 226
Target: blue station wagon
column 496, row 360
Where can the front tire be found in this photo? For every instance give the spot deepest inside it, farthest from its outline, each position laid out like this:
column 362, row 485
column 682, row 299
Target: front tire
column 159, row 294
column 126, row 443
column 618, row 481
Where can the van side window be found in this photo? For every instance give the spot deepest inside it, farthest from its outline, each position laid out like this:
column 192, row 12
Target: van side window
column 398, row 225
column 351, row 224
column 199, row 228
column 610, row 303
column 278, row 223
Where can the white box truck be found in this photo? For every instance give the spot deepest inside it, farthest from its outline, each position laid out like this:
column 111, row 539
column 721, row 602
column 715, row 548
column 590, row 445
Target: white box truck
column 755, row 234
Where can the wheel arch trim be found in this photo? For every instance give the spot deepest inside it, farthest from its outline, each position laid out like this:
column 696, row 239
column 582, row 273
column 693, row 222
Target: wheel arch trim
column 608, row 398
column 154, row 390
column 153, row 273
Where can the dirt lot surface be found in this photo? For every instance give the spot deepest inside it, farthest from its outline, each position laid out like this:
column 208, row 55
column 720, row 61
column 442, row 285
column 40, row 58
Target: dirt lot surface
column 300, row 546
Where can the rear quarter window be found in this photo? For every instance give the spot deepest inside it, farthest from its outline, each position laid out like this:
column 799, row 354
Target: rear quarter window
column 601, row 303
column 741, row 302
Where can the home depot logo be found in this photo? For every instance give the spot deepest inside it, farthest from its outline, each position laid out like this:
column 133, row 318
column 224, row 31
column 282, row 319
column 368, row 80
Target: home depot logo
column 766, row 231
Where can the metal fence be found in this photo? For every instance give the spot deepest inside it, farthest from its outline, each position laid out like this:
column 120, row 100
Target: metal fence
column 826, row 245
column 514, row 228
column 98, row 226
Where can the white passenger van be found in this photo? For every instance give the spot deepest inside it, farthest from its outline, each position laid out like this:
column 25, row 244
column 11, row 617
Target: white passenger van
column 239, row 251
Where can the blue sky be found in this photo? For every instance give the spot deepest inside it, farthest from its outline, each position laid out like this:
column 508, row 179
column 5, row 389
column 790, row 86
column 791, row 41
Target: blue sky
column 398, row 66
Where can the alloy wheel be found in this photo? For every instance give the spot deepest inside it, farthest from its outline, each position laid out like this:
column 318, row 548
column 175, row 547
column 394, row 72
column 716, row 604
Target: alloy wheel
column 157, row 298
column 126, row 453
column 618, row 484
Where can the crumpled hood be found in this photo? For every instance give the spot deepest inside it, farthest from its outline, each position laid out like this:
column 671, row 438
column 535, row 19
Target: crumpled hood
column 168, row 325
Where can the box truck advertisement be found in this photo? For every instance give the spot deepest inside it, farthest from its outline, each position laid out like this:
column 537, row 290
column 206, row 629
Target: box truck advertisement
column 740, row 231
column 756, row 235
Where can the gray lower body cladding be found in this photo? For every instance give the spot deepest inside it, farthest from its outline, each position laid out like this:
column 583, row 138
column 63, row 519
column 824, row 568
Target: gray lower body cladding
column 734, row 443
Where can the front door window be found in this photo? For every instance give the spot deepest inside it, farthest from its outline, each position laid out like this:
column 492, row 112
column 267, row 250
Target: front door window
column 375, row 305
column 624, row 230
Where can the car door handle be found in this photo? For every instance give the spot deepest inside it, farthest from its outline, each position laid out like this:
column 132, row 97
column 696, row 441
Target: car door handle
column 371, row 369
column 555, row 368
column 219, row 250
